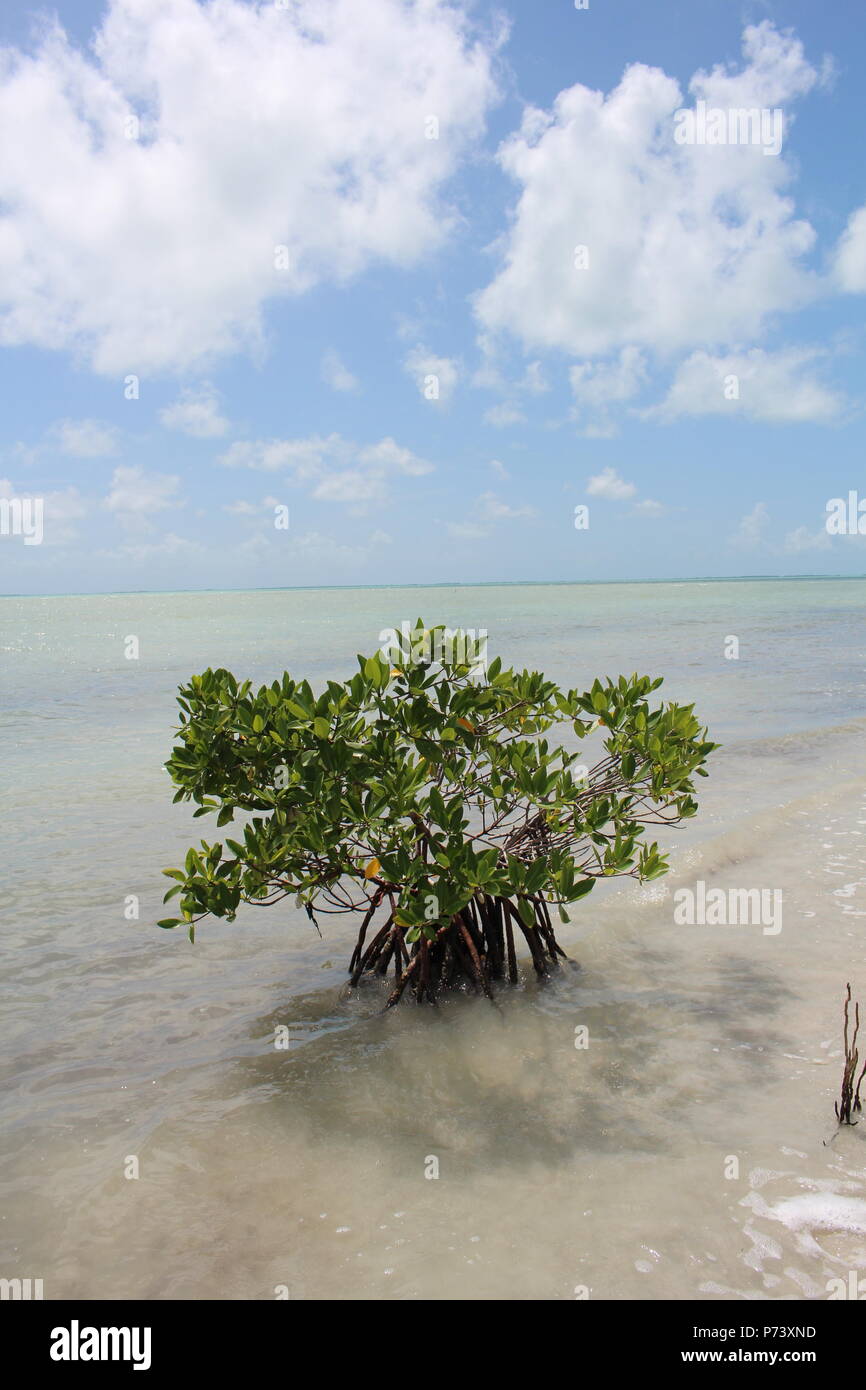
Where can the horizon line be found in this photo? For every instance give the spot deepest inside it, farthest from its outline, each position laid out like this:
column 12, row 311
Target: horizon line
column 454, row 584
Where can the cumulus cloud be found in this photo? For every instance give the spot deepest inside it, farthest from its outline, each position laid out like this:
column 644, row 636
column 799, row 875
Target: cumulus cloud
column 485, row 512
column 86, row 439
column 492, row 508
column 609, row 484
column 752, row 529
column 778, row 387
column 685, row 245
column 435, row 377
column 503, row 415
column 136, row 494
column 755, row 533
column 803, row 539
column 311, row 548
column 490, row 377
column 598, row 386
column 168, row 547
column 332, row 468
column 850, row 258
column 198, row 159
column 336, row 374
column 196, row 412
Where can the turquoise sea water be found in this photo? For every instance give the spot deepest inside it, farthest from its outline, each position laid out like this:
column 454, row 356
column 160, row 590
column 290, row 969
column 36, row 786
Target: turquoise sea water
column 306, row 1167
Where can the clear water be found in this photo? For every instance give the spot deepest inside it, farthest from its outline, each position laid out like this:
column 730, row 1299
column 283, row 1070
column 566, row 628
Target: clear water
column 689, row 1151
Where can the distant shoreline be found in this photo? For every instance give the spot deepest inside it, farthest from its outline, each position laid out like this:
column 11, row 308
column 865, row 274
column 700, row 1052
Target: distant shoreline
column 468, row 584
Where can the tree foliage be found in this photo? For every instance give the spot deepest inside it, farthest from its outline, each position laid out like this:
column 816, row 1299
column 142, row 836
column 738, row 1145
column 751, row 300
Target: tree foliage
column 417, row 786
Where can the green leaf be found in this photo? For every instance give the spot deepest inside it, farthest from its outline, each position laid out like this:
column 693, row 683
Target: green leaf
column 526, row 912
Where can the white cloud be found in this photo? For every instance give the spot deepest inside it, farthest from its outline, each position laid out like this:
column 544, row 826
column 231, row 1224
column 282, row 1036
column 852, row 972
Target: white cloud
column 86, row 439
column 260, row 127
column 196, row 412
column 491, row 508
column 649, row 507
column 333, row 468
column 389, row 455
column 350, row 485
column 486, row 511
column 25, row 455
column 490, row 377
column 498, row 468
column 336, row 374
column 313, row 548
column 503, row 415
column 534, row 380
column 303, row 457
column 753, row 533
column 609, row 484
column 136, row 494
column 170, row 546
column 778, row 387
column 435, row 377
column 850, row 258
column 752, row 529
column 688, row 245
column 598, row 384
column 802, row 539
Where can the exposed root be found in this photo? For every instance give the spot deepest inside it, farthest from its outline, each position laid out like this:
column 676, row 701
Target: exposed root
column 474, row 949
column 850, row 1100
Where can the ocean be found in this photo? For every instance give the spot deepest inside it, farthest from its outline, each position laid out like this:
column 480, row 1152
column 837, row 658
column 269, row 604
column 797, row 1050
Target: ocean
column 656, row 1124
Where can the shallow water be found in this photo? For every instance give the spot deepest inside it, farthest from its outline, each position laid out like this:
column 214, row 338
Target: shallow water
column 689, row 1150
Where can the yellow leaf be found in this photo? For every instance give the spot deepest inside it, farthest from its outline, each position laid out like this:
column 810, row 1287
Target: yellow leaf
column 372, row 869
column 395, row 671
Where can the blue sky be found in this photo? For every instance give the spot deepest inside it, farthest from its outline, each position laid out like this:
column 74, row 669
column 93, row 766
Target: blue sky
column 318, row 262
